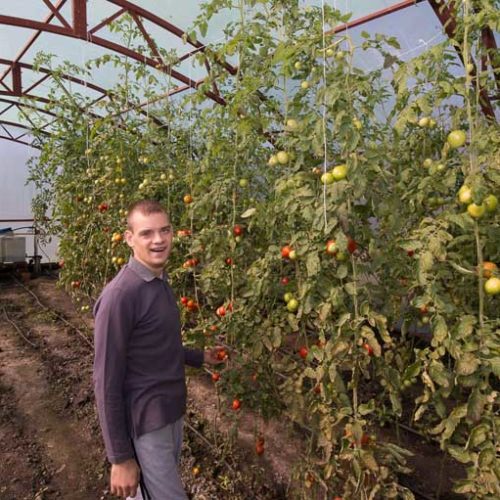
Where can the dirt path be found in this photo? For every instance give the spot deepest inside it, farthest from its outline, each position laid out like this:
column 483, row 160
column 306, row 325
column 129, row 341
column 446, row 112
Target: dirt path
column 64, row 467
column 51, row 441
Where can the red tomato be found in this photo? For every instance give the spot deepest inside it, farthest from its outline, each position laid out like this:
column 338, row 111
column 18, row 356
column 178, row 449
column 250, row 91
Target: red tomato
column 184, row 300
column 351, row 245
column 285, row 280
column 259, row 448
column 368, row 348
column 303, row 352
column 229, row 261
column 221, row 311
column 236, row 404
column 215, row 377
column 238, row 230
column 221, row 355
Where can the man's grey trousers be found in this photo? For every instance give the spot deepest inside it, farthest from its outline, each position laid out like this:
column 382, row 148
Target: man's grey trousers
column 159, row 454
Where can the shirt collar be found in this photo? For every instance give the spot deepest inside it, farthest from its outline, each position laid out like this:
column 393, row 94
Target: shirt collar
column 142, row 271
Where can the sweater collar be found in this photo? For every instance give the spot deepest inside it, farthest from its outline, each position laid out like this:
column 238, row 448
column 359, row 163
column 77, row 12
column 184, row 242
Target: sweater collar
column 142, row 271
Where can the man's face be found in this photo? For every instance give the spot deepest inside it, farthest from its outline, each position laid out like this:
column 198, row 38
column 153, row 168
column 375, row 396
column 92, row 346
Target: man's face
column 150, row 237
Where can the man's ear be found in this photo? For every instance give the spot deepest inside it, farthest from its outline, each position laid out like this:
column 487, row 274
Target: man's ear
column 128, row 238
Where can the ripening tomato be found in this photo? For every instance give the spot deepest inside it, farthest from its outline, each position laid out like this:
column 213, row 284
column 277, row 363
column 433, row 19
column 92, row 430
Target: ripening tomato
column 215, row 376
column 236, row 404
column 488, row 269
column 285, row 252
column 188, row 199
column 331, row 247
column 192, row 305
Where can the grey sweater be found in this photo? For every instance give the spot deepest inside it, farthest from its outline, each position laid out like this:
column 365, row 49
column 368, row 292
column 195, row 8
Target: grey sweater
column 139, row 379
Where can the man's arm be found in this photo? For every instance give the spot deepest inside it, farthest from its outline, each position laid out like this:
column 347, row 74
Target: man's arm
column 114, row 320
column 196, row 357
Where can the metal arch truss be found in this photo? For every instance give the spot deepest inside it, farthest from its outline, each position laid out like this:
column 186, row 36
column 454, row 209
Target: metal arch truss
column 77, row 27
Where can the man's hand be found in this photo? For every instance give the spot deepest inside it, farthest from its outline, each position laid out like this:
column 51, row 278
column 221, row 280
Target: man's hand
column 125, row 478
column 215, row 355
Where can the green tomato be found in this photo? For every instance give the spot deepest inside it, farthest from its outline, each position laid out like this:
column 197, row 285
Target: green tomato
column 305, row 85
column 476, row 211
column 282, row 157
column 327, row 178
column 243, row 183
column 287, row 297
column 456, row 138
column 340, row 256
column 339, row 172
column 273, row 161
column 492, row 286
column 292, row 305
column 424, row 122
column 491, row 203
column 465, row 195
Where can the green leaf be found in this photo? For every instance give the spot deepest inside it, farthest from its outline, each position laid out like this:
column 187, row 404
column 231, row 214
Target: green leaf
column 342, row 271
column 463, row 456
column 248, row 213
column 467, row 364
column 440, row 330
column 313, row 264
column 475, row 405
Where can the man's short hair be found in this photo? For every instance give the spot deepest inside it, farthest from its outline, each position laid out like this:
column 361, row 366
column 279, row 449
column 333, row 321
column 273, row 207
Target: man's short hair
column 146, row 207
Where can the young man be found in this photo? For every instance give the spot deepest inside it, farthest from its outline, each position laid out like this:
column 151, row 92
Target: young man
column 139, row 379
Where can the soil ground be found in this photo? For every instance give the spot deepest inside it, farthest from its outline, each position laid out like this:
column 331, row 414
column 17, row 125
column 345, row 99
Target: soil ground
column 51, row 442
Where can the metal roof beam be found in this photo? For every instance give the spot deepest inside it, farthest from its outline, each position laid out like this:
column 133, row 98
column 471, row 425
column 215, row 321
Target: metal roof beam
column 30, row 144
column 374, row 15
column 50, row 28
column 33, row 38
column 445, row 12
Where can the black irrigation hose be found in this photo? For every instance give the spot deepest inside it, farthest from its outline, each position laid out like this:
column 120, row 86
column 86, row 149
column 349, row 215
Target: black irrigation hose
column 58, row 316
column 19, row 331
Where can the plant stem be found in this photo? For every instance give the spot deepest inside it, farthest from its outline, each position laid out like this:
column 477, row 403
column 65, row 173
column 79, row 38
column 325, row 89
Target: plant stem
column 479, row 252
